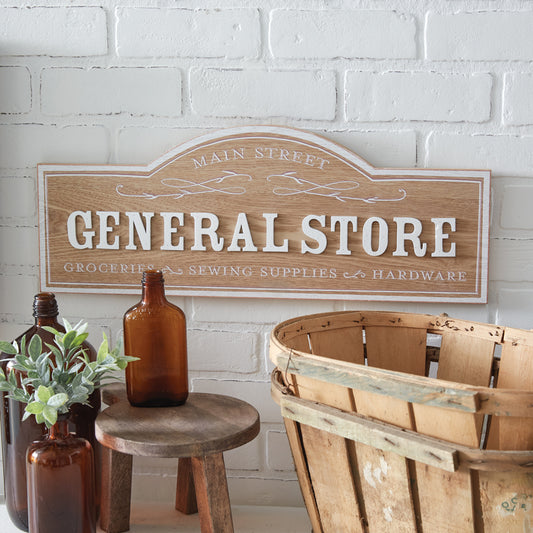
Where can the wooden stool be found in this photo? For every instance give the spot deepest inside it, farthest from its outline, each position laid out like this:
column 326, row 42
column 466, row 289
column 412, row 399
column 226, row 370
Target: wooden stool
column 197, row 433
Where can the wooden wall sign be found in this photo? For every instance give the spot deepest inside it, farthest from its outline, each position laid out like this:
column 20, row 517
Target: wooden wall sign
column 266, row 212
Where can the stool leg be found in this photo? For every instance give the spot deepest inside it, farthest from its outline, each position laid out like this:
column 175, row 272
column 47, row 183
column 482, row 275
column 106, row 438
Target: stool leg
column 115, row 491
column 185, row 493
column 212, row 494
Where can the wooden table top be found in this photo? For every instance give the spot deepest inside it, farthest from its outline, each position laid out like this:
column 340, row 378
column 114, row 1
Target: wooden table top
column 205, row 424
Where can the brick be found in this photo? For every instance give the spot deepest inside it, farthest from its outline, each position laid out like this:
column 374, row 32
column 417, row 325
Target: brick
column 511, row 259
column 483, row 35
column 26, row 145
column 141, row 145
column 53, row 31
column 9, row 331
column 246, row 457
column 17, row 198
column 137, row 91
column 379, row 148
column 332, row 33
column 388, row 96
column 516, row 207
column 19, row 246
column 252, row 310
column 147, row 32
column 278, row 451
column 515, row 308
column 517, row 103
column 241, row 93
column 222, row 351
column 15, row 88
column 256, row 393
column 506, row 155
column 17, row 295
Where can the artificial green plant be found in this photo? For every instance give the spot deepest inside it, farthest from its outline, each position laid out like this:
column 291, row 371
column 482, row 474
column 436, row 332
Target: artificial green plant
column 51, row 380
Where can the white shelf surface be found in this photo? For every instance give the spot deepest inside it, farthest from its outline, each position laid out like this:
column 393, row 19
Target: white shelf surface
column 161, row 518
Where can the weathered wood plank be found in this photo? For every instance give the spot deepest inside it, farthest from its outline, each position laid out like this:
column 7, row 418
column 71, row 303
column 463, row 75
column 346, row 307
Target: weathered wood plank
column 415, row 389
column 374, row 433
column 507, row 498
column 341, row 344
column 333, row 482
column 475, row 459
column 212, row 493
column 115, row 491
column 300, row 465
column 388, row 495
column 385, row 382
column 185, row 491
column 463, row 359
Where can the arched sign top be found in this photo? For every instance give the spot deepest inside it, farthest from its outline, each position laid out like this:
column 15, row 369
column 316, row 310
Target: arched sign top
column 266, row 211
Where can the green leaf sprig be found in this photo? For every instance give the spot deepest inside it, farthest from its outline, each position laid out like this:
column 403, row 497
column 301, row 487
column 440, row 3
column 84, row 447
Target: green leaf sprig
column 50, row 381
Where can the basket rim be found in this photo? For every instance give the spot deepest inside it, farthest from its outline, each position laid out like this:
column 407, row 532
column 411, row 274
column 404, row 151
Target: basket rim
column 477, row 399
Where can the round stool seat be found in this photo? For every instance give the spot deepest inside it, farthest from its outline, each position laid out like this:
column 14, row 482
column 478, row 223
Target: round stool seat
column 205, row 424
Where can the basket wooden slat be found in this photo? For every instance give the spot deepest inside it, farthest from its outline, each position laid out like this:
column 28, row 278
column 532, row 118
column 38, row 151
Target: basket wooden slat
column 450, row 499
column 384, row 496
column 410, row 443
column 504, row 492
column 338, row 509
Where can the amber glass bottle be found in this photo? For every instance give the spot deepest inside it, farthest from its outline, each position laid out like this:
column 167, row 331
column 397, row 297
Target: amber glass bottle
column 61, row 484
column 17, row 435
column 155, row 331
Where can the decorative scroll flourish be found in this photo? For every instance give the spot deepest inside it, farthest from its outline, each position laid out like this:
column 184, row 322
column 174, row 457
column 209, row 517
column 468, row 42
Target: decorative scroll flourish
column 168, row 270
column 229, row 183
column 289, row 184
column 357, row 275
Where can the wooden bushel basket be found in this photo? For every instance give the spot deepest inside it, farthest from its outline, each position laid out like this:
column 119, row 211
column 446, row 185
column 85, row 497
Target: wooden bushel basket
column 379, row 446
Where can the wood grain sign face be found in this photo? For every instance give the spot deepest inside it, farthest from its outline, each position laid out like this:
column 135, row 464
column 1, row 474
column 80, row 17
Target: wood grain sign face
column 266, row 212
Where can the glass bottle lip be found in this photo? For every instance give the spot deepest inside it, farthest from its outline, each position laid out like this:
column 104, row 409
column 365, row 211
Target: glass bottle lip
column 152, row 276
column 45, row 305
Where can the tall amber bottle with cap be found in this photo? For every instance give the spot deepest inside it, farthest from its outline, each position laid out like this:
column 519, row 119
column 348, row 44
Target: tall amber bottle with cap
column 155, row 331
column 17, row 435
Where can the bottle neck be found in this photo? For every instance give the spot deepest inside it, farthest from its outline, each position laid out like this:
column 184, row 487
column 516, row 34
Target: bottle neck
column 153, row 287
column 45, row 309
column 60, row 429
column 46, row 321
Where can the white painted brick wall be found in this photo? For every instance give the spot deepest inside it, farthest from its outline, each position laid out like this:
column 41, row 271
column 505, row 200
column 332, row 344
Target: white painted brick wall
column 15, row 88
column 27, row 145
column 278, row 451
column 431, row 96
column 127, row 91
column 53, row 31
column 22, row 188
column 152, row 32
column 302, row 34
column 505, row 155
column 517, row 101
column 223, row 351
column 517, row 203
column 480, row 35
column 233, row 93
column 444, row 84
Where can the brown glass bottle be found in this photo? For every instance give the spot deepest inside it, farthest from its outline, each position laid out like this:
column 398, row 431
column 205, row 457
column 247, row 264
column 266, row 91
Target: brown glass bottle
column 17, row 435
column 155, row 331
column 61, row 484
